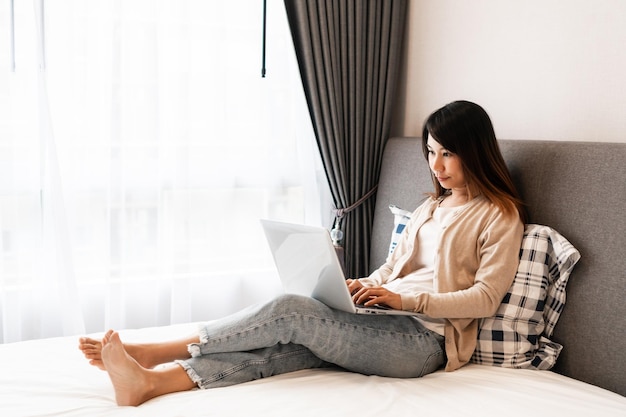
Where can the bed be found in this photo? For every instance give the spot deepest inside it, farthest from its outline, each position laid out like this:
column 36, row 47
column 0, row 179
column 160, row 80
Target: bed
column 50, row 377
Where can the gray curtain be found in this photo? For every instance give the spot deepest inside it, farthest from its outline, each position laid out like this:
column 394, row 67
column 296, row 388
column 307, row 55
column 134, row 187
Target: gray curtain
column 349, row 54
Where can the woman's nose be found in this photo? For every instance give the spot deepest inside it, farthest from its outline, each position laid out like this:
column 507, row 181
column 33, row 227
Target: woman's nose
column 436, row 164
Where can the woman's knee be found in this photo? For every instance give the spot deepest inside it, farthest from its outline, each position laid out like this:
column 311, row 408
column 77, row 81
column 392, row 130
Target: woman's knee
column 294, row 303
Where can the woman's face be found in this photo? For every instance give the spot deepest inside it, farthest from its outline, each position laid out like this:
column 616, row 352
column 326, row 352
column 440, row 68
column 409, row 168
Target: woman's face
column 446, row 166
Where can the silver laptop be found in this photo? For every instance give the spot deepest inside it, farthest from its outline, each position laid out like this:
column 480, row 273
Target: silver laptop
column 308, row 265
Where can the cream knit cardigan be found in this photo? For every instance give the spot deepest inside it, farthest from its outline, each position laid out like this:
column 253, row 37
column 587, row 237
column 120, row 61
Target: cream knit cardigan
column 475, row 265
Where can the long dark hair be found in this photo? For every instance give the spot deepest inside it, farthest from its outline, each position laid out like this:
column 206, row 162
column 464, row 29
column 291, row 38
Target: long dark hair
column 465, row 129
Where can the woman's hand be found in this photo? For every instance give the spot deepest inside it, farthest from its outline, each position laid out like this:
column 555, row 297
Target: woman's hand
column 370, row 296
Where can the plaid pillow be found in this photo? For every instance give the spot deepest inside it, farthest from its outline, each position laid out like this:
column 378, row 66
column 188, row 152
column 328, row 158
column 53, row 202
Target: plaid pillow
column 400, row 219
column 517, row 336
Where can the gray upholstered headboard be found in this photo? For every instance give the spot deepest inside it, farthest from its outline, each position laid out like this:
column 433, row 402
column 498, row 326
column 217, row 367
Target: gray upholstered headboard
column 578, row 188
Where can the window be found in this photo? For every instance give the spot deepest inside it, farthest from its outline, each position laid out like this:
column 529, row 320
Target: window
column 139, row 146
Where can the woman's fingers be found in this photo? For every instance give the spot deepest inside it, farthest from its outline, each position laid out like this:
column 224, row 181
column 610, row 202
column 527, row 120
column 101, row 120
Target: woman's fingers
column 365, row 295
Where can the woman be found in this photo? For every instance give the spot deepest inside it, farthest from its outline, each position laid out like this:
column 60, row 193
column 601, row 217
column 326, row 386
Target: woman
column 455, row 262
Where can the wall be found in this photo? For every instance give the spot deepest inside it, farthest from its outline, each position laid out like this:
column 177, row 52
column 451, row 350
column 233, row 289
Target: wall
column 543, row 69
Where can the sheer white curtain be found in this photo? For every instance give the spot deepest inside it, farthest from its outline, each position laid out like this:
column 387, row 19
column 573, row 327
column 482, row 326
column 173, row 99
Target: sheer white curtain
column 139, row 146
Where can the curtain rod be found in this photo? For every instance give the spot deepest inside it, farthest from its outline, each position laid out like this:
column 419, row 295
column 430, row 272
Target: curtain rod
column 264, row 38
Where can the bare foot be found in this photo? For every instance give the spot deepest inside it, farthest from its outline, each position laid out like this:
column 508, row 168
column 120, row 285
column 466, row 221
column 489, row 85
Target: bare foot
column 131, row 381
column 92, row 350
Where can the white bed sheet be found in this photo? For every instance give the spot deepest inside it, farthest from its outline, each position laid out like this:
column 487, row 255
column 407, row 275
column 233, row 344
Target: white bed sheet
column 51, row 378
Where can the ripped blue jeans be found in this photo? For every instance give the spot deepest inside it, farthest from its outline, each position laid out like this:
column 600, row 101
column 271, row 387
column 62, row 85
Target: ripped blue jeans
column 293, row 332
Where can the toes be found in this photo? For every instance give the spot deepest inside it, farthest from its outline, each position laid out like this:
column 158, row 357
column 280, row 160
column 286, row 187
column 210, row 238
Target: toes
column 86, row 343
column 90, row 349
column 92, row 355
column 107, row 337
column 115, row 338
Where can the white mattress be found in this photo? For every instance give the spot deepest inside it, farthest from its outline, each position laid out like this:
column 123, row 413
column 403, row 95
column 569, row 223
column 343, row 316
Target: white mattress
column 50, row 377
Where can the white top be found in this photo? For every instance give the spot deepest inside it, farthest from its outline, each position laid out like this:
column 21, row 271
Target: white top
column 421, row 279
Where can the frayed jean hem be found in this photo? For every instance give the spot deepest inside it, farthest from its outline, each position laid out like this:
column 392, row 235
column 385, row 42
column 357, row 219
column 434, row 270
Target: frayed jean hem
column 191, row 373
column 194, row 348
